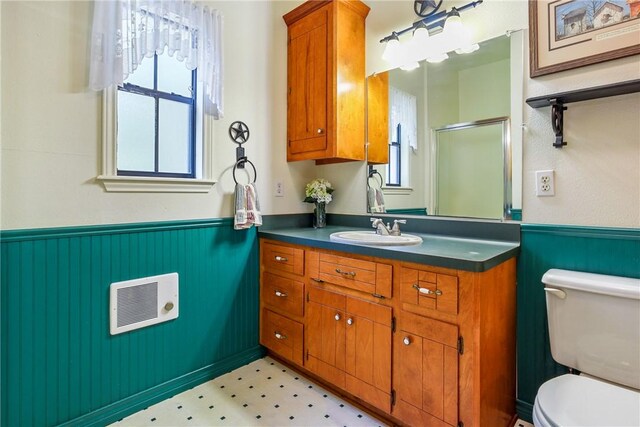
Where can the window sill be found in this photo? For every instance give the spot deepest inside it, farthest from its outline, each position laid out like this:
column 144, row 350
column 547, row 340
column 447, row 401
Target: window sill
column 142, row 184
column 397, row 190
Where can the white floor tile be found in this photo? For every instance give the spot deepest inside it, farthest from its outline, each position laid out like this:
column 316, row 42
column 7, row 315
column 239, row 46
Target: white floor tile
column 262, row 393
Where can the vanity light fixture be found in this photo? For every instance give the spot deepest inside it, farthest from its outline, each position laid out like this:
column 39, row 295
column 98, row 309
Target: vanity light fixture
column 449, row 34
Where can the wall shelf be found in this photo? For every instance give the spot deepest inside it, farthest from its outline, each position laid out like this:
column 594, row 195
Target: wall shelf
column 558, row 100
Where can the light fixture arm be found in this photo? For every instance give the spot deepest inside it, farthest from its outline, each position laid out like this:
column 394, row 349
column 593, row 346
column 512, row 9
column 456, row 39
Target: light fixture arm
column 434, row 20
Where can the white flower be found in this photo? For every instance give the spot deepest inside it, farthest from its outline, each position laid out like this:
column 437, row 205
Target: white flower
column 318, row 191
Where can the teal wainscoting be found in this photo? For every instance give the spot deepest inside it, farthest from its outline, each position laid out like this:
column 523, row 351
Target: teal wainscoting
column 408, row 211
column 612, row 251
column 60, row 365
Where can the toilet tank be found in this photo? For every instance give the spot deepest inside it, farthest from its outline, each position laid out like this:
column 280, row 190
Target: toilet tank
column 594, row 324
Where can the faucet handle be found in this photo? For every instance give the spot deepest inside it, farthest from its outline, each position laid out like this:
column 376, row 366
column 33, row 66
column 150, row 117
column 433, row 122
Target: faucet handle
column 396, row 226
column 375, row 222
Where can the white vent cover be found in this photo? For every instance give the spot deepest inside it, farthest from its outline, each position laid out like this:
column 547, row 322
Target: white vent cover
column 142, row 302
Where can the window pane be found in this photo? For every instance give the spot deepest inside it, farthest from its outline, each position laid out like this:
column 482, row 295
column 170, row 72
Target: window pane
column 174, row 137
column 173, row 76
column 143, row 75
column 136, row 132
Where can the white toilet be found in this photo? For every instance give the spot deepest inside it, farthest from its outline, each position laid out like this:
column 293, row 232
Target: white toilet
column 594, row 327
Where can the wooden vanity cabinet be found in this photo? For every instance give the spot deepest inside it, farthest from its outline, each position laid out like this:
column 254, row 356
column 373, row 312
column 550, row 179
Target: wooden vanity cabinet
column 454, row 350
column 419, row 345
column 325, row 114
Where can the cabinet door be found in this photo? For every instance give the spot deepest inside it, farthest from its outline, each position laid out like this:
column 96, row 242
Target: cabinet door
column 368, row 359
column 307, row 77
column 326, row 342
column 427, row 378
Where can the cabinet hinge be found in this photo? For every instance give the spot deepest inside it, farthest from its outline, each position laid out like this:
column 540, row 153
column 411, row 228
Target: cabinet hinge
column 377, row 296
column 393, row 397
column 307, row 296
column 460, row 424
column 393, row 324
column 307, row 354
column 460, row 345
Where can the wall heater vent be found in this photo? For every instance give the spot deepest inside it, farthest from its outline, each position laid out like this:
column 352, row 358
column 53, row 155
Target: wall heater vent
column 142, row 302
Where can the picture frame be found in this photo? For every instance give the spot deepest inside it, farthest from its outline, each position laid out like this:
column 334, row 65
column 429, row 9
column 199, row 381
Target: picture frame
column 567, row 34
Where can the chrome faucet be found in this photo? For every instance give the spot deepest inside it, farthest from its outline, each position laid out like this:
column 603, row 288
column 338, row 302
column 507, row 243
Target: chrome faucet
column 381, row 229
column 386, row 230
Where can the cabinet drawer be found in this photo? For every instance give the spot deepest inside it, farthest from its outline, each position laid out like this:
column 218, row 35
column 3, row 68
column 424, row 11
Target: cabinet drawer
column 366, row 276
column 285, row 294
column 430, row 290
column 282, row 335
column 283, row 258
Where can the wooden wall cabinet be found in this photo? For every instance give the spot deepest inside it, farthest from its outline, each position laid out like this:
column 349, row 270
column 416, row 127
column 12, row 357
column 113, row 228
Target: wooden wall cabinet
column 416, row 344
column 326, row 80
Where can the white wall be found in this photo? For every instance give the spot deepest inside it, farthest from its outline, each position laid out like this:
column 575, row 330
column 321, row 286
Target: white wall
column 51, row 124
column 51, row 133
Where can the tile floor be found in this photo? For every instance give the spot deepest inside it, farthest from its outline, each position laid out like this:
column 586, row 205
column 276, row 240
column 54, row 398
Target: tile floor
column 262, row 393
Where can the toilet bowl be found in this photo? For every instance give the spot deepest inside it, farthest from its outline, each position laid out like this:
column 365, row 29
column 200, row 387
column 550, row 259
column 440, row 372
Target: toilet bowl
column 576, row 400
column 593, row 328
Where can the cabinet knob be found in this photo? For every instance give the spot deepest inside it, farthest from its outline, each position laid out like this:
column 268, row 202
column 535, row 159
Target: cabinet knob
column 320, row 131
column 279, row 336
column 280, row 294
column 350, row 321
column 427, row 291
column 406, row 341
column 337, row 316
column 281, row 259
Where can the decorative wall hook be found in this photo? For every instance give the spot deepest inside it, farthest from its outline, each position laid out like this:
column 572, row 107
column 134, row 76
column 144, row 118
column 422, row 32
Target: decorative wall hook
column 239, row 133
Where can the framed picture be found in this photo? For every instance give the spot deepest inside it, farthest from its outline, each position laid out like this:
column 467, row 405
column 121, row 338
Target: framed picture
column 566, row 34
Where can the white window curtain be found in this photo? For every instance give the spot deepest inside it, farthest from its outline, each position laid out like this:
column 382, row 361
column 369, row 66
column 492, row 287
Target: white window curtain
column 126, row 31
column 404, row 112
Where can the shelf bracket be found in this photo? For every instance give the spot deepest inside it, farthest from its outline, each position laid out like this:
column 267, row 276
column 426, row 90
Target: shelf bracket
column 557, row 119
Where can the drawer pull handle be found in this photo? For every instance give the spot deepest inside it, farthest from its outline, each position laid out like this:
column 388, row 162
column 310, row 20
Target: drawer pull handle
column 337, row 316
column 406, row 341
column 346, row 273
column 427, row 291
column 280, row 294
column 350, row 321
column 281, row 259
column 279, row 336
column 317, row 280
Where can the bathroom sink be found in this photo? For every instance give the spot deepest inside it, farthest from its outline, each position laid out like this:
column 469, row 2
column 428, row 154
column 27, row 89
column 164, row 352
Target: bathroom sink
column 373, row 239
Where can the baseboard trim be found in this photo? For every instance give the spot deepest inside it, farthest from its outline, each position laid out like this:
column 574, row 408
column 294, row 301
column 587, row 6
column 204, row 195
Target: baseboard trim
column 125, row 407
column 524, row 410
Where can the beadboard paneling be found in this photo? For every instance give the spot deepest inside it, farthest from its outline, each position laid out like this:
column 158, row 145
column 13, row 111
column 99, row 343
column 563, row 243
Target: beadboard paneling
column 59, row 362
column 612, row 251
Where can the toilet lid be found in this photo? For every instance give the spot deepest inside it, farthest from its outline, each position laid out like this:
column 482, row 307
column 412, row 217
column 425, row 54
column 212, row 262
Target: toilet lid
column 573, row 400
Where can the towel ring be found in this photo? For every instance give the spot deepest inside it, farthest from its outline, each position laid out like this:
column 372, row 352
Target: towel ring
column 371, row 175
column 243, row 161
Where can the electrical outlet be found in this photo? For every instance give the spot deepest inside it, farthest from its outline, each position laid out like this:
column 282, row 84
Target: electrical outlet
column 279, row 190
column 545, row 185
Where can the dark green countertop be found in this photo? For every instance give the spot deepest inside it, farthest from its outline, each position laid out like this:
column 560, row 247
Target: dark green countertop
column 436, row 250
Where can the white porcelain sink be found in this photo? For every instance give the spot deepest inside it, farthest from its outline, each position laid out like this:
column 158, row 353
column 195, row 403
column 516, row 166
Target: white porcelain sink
column 373, row 239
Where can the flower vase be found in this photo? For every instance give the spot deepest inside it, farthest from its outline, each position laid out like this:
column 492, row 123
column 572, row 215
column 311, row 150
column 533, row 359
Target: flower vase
column 320, row 215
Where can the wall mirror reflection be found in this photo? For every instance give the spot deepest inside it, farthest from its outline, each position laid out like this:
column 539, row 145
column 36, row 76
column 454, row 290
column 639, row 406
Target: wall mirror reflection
column 445, row 138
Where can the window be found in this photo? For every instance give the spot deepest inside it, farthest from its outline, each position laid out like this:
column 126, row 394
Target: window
column 403, row 135
column 156, row 129
column 156, row 135
column 394, row 167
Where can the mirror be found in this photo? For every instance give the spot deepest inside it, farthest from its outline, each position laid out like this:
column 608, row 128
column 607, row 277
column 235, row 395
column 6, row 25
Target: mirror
column 445, row 139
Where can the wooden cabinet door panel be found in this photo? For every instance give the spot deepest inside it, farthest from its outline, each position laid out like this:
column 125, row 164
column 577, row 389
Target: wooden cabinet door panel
column 326, row 335
column 427, row 377
column 307, row 111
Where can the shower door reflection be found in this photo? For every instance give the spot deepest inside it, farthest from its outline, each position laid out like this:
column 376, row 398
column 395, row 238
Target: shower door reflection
column 472, row 170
